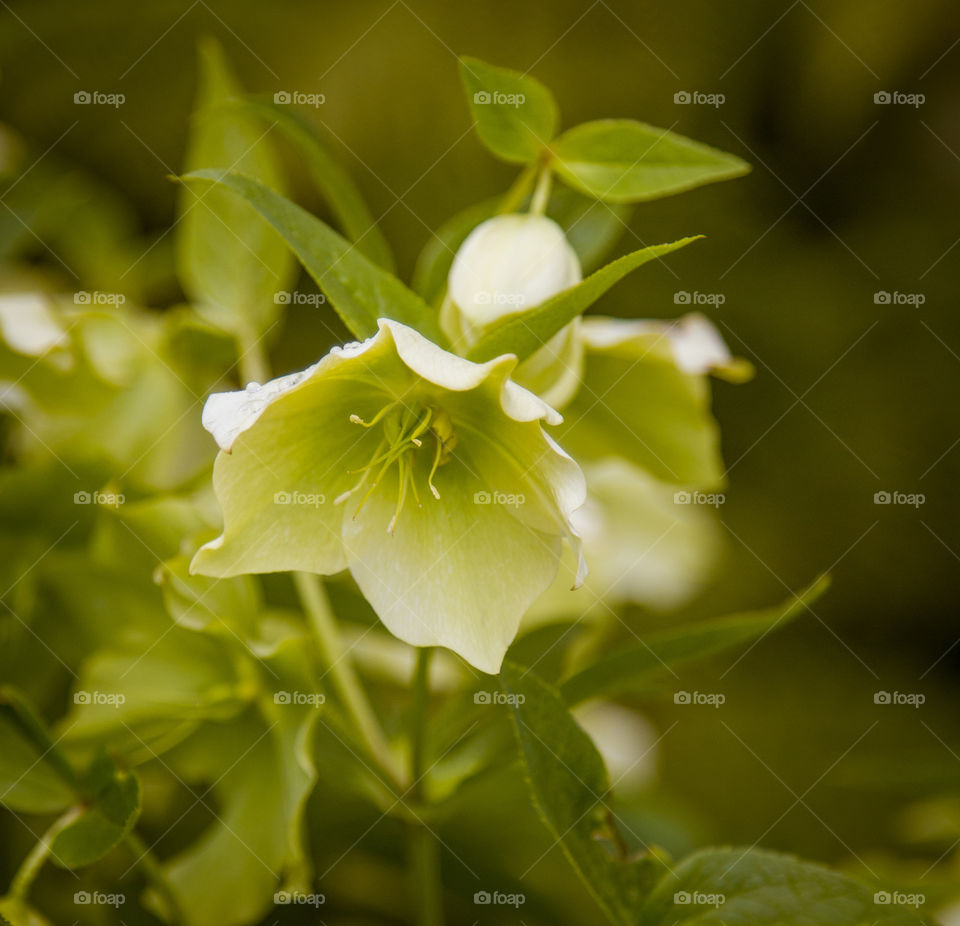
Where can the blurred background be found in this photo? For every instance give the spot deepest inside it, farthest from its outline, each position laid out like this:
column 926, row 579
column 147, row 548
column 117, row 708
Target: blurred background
column 833, row 267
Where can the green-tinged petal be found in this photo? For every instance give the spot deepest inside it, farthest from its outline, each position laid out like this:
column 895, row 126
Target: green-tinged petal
column 642, row 546
column 637, row 402
column 457, row 572
column 382, row 456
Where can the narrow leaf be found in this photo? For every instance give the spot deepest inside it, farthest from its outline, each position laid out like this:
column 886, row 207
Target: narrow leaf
column 651, row 661
column 522, row 334
column 357, row 288
column 568, row 783
column 333, row 182
column 230, row 262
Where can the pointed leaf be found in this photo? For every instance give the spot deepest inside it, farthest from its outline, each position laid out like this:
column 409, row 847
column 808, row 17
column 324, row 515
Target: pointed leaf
column 651, row 661
column 230, row 262
column 569, row 785
column 332, row 181
column 357, row 288
column 524, row 333
column 623, row 161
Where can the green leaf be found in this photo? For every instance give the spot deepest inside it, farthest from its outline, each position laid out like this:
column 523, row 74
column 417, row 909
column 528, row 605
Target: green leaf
column 357, row 288
column 569, row 786
column 433, row 265
column 261, row 771
column 524, row 333
column 34, row 777
column 110, row 811
column 230, row 262
column 623, row 161
column 759, row 888
column 515, row 116
column 332, row 181
column 650, row 662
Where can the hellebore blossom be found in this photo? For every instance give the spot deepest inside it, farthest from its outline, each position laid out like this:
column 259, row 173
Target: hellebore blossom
column 428, row 476
column 508, row 265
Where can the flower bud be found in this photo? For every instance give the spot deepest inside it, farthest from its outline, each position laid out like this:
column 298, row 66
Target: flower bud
column 510, row 264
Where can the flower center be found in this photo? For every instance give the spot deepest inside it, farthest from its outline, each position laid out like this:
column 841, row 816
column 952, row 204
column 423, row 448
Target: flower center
column 404, row 431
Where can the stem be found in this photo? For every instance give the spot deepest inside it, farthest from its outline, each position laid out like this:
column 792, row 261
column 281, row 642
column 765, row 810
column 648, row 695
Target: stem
column 253, row 362
column 334, row 656
column 541, row 195
column 38, row 855
column 424, row 868
column 418, row 718
column 515, row 196
column 423, row 853
column 155, row 875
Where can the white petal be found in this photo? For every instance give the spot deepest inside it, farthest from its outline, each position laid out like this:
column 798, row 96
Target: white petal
column 29, row 326
column 694, row 341
column 510, row 264
column 440, row 367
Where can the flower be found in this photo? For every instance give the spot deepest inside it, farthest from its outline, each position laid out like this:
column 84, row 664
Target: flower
column 507, row 265
column 428, row 476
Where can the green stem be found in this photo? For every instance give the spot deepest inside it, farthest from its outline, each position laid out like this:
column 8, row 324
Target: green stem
column 28, row 871
column 253, row 361
column 424, row 866
column 422, row 848
column 517, row 193
column 146, row 860
column 541, row 195
column 340, row 669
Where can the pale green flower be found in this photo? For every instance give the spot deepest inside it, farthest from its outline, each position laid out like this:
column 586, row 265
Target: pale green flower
column 508, row 265
column 428, row 476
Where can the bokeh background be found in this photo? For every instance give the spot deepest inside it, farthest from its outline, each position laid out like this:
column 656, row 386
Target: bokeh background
column 849, row 198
